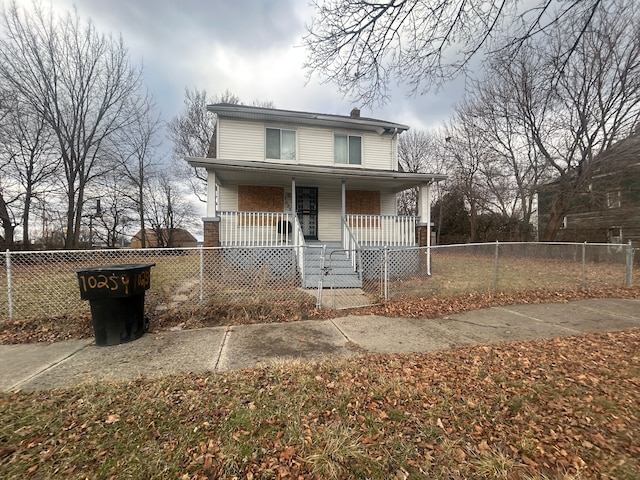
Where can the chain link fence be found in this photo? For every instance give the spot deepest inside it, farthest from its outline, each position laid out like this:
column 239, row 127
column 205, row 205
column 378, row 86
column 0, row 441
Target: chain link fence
column 451, row 270
column 44, row 284
column 37, row 284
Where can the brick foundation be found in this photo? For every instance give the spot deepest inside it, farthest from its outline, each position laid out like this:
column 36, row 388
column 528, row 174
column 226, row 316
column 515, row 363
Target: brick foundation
column 421, row 235
column 211, row 232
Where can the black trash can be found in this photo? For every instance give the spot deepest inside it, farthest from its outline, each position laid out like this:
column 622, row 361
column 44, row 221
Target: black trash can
column 116, row 297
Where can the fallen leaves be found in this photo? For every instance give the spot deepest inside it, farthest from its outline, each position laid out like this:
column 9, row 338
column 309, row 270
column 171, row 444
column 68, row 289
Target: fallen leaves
column 514, row 410
column 112, row 418
column 59, row 328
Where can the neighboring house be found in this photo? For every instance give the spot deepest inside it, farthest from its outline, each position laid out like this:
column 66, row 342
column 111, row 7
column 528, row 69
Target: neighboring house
column 178, row 238
column 607, row 209
column 280, row 177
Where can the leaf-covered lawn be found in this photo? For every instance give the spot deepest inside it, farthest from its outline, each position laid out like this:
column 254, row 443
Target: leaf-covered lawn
column 564, row 408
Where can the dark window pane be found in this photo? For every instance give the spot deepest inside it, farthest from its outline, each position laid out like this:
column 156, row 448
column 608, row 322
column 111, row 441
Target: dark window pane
column 355, row 150
column 273, row 143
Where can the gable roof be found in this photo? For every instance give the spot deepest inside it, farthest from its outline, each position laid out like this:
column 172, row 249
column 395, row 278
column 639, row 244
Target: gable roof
column 179, row 235
column 244, row 112
column 619, row 157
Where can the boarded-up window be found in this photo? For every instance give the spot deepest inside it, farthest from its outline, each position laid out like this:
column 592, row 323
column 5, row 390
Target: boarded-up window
column 254, row 198
column 360, row 202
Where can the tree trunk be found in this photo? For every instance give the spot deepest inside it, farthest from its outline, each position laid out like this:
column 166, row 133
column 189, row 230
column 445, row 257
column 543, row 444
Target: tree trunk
column 7, row 225
column 559, row 207
column 26, row 243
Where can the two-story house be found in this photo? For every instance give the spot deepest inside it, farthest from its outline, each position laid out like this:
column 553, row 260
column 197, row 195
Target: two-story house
column 607, row 208
column 281, row 177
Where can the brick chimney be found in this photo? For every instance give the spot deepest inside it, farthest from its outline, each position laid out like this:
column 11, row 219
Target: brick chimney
column 355, row 113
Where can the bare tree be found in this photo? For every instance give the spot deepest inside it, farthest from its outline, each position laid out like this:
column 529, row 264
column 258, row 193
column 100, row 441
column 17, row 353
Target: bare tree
column 192, row 132
column 27, row 141
column 135, row 157
column 596, row 102
column 496, row 106
column 167, row 208
column 469, row 157
column 79, row 82
column 538, row 116
column 417, row 152
column 364, row 46
column 116, row 213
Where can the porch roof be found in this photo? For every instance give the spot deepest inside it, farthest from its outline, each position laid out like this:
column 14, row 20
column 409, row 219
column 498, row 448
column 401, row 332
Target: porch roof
column 233, row 172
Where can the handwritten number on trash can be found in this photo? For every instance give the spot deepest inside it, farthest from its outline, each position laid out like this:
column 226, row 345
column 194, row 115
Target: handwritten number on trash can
column 104, row 282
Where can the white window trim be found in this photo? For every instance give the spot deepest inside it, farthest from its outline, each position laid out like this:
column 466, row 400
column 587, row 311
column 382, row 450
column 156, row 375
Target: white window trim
column 281, row 129
column 348, row 164
column 614, row 199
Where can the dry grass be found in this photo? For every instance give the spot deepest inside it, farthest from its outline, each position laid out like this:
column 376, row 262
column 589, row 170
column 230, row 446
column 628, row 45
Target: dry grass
column 559, row 409
column 457, row 273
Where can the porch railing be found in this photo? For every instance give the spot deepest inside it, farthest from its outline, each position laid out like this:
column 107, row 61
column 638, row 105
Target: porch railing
column 256, row 228
column 350, row 244
column 383, row 230
column 298, row 240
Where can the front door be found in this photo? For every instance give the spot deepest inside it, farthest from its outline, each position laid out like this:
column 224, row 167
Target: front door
column 307, row 210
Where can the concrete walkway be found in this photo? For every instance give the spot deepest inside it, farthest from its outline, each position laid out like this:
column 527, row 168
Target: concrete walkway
column 64, row 364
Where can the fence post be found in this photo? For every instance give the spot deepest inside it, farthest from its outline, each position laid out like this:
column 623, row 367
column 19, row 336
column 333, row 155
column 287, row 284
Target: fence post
column 9, row 288
column 629, row 282
column 321, row 278
column 386, row 273
column 495, row 269
column 584, row 273
column 201, row 274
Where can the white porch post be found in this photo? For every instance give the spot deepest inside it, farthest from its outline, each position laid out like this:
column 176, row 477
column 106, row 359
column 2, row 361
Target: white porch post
column 212, row 197
column 343, row 209
column 293, row 209
column 211, row 232
column 424, row 212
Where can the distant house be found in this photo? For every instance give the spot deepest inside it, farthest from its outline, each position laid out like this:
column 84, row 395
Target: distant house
column 607, row 209
column 176, row 238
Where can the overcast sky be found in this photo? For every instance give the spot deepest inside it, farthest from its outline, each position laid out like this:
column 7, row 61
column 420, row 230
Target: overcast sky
column 250, row 47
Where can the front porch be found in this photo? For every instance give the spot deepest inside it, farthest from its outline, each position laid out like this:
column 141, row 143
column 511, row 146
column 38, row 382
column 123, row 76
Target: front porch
column 318, row 264
column 264, row 229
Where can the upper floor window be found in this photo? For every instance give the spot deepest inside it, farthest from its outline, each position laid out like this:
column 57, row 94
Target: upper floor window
column 613, row 199
column 281, row 144
column 348, row 149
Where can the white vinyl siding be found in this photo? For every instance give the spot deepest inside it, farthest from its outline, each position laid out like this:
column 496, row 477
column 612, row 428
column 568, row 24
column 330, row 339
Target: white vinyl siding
column 329, row 209
column 245, row 140
column 388, row 203
column 378, row 150
column 315, row 146
column 228, row 198
column 239, row 140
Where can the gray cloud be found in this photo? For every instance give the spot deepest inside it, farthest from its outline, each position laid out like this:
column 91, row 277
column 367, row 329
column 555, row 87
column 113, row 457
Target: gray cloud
column 245, row 46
